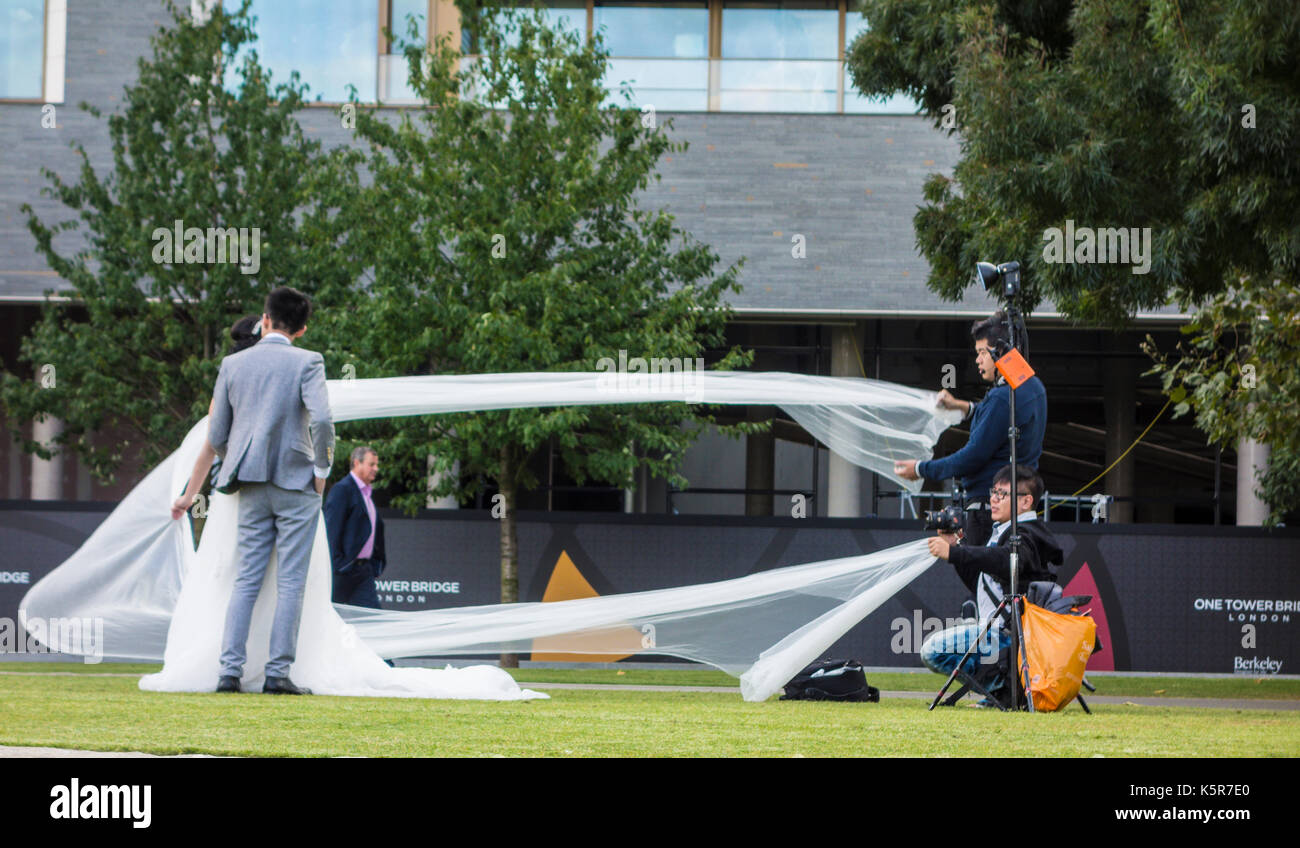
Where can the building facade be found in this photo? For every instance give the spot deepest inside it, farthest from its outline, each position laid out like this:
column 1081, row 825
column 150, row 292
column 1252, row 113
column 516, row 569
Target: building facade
column 788, row 167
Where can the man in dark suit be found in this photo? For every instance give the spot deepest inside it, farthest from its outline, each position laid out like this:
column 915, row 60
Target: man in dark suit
column 356, row 533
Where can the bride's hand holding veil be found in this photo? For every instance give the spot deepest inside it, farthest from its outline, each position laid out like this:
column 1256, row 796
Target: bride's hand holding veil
column 202, row 465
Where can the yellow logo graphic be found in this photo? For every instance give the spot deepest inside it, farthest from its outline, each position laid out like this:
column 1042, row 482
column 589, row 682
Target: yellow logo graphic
column 606, row 644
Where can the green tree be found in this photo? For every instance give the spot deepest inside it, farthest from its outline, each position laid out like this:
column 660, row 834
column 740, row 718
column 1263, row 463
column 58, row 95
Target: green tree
column 139, row 344
column 509, row 239
column 1134, row 113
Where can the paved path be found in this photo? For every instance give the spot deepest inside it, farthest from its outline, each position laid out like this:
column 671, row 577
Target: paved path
column 15, row 752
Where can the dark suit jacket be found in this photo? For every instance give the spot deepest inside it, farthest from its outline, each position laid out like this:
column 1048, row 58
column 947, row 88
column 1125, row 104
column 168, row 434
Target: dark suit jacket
column 347, row 525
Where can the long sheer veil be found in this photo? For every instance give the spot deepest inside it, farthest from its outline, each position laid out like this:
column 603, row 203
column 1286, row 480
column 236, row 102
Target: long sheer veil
column 762, row 628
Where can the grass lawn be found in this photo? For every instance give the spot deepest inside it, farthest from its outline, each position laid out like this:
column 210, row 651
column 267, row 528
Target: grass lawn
column 1164, row 687
column 86, row 710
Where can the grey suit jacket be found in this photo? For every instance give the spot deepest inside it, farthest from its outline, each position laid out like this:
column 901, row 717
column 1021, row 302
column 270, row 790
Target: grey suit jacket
column 271, row 416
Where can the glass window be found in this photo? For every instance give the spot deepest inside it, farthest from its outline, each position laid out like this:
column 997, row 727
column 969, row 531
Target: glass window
column 22, row 54
column 329, row 44
column 898, row 104
column 566, row 14
column 804, row 40
column 660, row 50
column 654, row 30
column 400, row 11
column 780, row 31
column 571, row 16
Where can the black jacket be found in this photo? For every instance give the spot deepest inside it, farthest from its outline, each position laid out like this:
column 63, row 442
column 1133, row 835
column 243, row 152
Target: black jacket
column 1039, row 557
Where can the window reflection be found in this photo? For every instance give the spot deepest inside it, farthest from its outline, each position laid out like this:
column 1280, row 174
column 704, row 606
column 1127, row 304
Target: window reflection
column 660, row 50
column 673, row 85
column 400, row 12
column 654, row 30
column 22, row 43
column 854, row 103
column 568, row 15
column 780, row 31
column 802, row 37
column 770, row 57
column 329, row 44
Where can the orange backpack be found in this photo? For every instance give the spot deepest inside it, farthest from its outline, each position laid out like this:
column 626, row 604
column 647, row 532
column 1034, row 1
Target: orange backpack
column 1058, row 647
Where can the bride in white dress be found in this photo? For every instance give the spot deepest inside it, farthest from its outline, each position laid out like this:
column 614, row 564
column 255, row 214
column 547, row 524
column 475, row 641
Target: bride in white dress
column 331, row 658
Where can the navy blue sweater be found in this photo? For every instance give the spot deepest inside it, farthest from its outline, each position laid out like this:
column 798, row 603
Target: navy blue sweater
column 988, row 448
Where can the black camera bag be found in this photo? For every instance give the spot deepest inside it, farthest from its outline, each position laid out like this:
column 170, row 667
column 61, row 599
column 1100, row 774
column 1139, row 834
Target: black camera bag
column 831, row 680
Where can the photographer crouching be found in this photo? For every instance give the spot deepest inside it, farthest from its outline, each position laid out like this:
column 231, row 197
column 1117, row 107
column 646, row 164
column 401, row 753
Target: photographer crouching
column 986, row 571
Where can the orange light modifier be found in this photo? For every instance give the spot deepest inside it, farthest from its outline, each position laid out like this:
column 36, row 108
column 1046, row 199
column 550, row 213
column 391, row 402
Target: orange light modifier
column 1014, row 368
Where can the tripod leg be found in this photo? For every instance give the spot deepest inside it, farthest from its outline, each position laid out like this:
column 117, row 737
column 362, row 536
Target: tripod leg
column 1083, row 704
column 970, row 649
column 1022, row 670
column 957, row 696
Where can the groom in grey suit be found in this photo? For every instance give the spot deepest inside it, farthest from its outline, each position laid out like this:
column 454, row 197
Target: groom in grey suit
column 271, row 426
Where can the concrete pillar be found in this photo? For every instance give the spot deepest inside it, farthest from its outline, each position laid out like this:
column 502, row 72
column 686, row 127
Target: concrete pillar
column 15, row 490
column 1120, row 387
column 47, row 474
column 1252, row 460
column 444, row 502
column 843, row 478
column 760, row 464
column 83, row 480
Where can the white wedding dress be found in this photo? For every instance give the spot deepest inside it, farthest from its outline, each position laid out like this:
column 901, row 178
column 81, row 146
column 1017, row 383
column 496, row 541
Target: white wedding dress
column 331, row 659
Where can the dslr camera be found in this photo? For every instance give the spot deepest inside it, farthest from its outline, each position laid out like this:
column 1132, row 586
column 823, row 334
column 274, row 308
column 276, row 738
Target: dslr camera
column 946, row 520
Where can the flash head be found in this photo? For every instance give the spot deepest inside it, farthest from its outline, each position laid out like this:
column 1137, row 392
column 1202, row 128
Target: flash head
column 1003, row 280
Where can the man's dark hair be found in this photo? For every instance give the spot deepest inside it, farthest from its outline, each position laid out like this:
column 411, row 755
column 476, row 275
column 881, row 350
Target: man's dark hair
column 1027, row 481
column 288, row 308
column 994, row 331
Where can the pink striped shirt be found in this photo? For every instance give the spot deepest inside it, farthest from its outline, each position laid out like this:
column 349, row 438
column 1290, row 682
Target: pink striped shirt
column 369, row 547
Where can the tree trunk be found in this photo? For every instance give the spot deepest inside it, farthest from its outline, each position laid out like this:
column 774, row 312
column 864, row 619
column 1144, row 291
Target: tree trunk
column 509, row 543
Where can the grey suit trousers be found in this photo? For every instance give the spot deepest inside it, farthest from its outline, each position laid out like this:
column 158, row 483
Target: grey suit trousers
column 283, row 520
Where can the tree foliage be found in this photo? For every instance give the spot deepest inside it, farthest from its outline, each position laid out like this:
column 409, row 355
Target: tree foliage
column 1179, row 117
column 137, row 344
column 503, row 234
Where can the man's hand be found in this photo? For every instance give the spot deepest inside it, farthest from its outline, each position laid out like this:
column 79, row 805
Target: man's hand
column 320, row 485
column 940, row 544
column 947, row 401
column 906, row 468
column 180, row 505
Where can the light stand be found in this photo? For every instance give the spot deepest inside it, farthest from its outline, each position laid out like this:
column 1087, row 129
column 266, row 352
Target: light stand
column 1019, row 654
column 1005, row 280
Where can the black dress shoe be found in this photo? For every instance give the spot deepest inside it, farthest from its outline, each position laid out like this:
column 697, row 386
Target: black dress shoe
column 283, row 686
column 228, row 684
